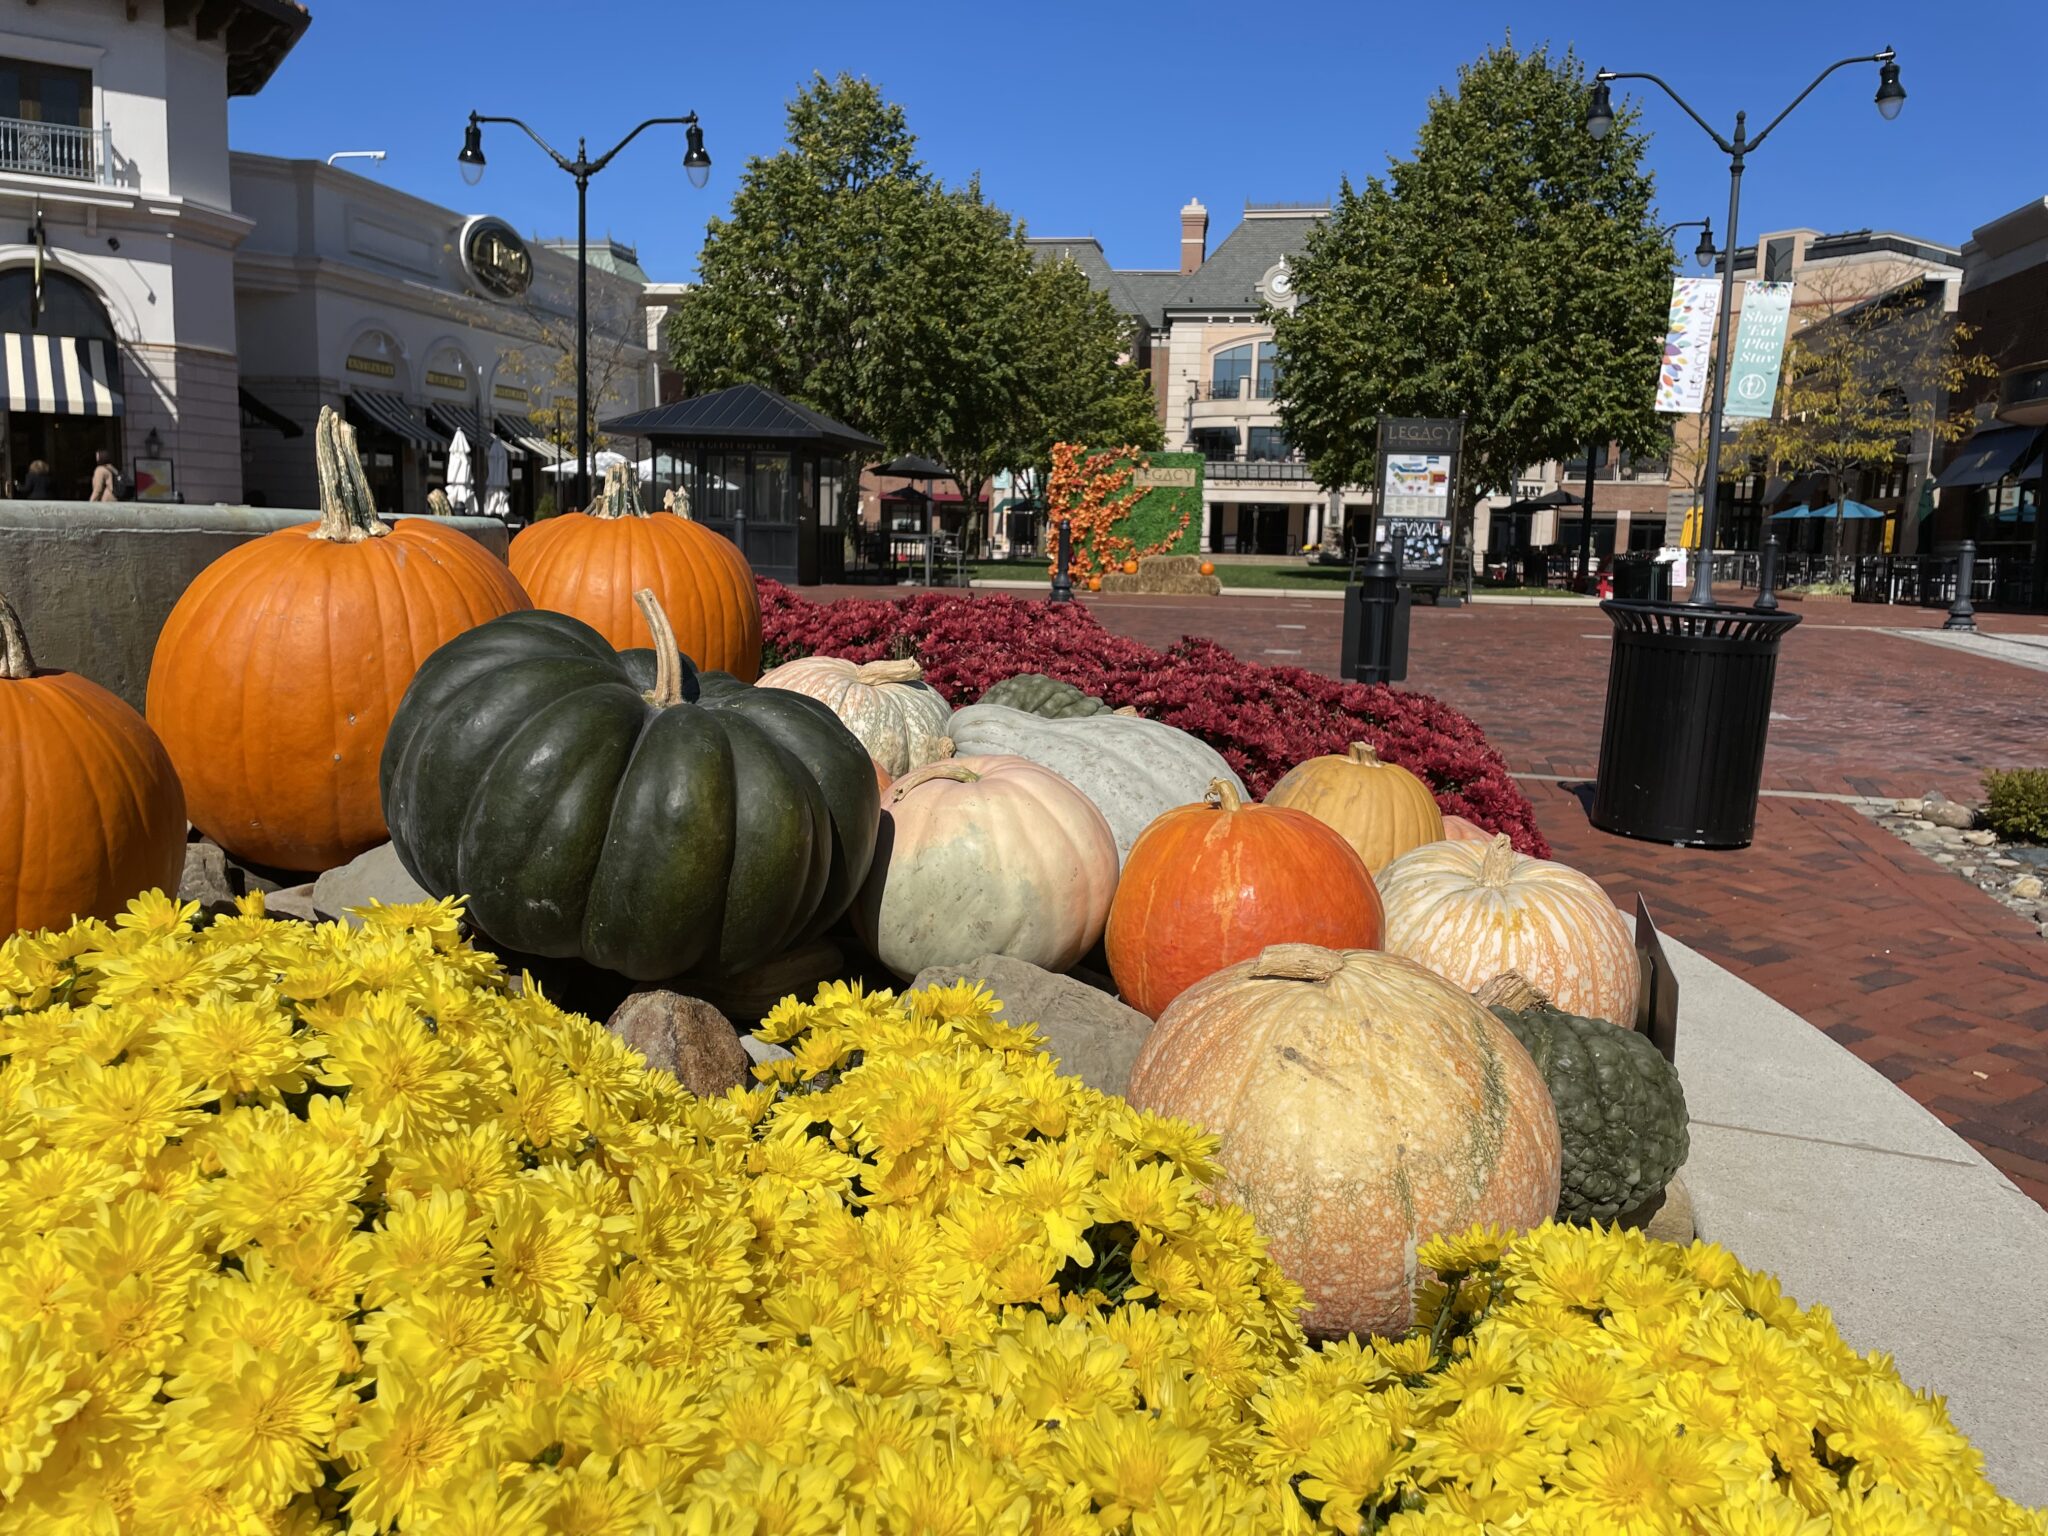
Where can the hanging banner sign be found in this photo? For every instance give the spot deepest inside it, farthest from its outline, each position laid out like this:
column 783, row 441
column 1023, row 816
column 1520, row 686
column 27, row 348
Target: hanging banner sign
column 1688, row 346
column 1759, row 349
column 1418, row 467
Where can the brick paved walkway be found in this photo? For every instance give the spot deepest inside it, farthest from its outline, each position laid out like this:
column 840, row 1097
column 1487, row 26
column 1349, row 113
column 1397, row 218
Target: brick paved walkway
column 1938, row 986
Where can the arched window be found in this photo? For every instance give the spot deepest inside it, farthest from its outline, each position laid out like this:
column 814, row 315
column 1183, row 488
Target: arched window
column 1228, row 370
column 69, row 308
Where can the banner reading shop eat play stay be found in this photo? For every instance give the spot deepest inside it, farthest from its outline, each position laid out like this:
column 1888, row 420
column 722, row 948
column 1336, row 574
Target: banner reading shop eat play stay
column 1688, row 345
column 1759, row 349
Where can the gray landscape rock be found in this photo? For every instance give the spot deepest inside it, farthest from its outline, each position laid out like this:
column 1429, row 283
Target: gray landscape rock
column 373, row 876
column 685, row 1037
column 1980, row 838
column 2027, row 888
column 759, row 1051
column 1946, row 813
column 208, row 879
column 1666, row 1219
column 294, row 901
column 1095, row 1037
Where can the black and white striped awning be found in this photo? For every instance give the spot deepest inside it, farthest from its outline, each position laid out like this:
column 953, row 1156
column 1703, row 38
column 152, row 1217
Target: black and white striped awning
column 521, row 433
column 459, row 418
column 390, row 412
column 59, row 375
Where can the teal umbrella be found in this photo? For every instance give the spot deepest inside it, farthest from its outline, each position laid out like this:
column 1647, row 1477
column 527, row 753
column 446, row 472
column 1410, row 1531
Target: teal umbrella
column 1852, row 511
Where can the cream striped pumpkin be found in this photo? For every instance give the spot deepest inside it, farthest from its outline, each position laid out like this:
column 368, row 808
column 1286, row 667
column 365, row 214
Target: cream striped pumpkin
column 1469, row 911
column 895, row 714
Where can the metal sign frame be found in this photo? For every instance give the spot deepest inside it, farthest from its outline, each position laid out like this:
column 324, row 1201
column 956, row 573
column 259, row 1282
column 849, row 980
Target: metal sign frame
column 1426, row 541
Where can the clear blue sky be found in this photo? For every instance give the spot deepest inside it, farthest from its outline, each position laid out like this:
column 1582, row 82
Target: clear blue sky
column 1105, row 118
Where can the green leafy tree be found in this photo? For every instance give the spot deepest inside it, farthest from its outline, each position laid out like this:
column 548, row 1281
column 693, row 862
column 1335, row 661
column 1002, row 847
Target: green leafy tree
column 1082, row 386
column 1510, row 272
column 1863, row 380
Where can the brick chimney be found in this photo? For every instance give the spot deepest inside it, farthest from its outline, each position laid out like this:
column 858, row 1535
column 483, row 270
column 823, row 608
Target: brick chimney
column 1194, row 236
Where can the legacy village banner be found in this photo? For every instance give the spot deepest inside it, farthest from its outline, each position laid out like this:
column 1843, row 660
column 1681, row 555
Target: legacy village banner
column 1688, row 346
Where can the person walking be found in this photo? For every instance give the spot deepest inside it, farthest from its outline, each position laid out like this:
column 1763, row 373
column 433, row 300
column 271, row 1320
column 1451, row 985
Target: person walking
column 103, row 480
column 35, row 485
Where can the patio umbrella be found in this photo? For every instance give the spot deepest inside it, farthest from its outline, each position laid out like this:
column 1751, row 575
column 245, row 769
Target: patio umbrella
column 1851, row 511
column 497, row 481
column 1794, row 512
column 600, row 461
column 461, row 478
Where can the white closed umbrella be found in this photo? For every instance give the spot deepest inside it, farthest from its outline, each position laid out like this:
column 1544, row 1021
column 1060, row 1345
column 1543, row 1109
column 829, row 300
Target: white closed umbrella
column 461, row 478
column 600, row 461
column 497, row 480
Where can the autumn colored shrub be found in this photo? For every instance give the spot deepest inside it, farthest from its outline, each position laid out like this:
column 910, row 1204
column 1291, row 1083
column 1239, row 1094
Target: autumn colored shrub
column 1262, row 719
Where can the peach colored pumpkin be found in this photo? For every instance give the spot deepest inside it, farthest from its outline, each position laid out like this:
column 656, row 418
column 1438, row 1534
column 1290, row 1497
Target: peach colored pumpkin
column 1382, row 809
column 986, row 855
column 91, row 811
column 1365, row 1105
column 889, row 707
column 1469, row 911
column 1458, row 830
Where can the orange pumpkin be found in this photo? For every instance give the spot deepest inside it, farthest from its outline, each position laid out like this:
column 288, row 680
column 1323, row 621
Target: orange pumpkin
column 1130, row 567
column 1094, row 583
column 1365, row 1106
column 94, row 814
column 1458, row 830
column 1382, row 809
column 1470, row 911
column 278, row 671
column 589, row 564
column 883, row 778
column 1213, row 883
column 1208, row 567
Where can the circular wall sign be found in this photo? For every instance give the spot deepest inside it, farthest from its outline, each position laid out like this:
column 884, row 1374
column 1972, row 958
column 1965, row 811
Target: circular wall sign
column 495, row 258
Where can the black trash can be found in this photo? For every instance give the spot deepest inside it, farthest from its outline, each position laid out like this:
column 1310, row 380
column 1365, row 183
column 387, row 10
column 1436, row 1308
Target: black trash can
column 1688, row 712
column 1633, row 582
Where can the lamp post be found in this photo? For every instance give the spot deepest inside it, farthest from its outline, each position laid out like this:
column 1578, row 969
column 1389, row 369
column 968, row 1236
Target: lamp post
column 1891, row 96
column 696, row 165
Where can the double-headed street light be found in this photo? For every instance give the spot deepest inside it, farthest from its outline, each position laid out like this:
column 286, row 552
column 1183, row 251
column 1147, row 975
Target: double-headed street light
column 696, row 165
column 1891, row 96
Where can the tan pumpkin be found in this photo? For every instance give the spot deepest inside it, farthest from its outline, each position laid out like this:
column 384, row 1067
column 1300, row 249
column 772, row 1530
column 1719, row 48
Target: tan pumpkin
column 1469, row 911
column 1365, row 1105
column 887, row 705
column 91, row 811
column 1382, row 809
column 1458, row 830
column 986, row 855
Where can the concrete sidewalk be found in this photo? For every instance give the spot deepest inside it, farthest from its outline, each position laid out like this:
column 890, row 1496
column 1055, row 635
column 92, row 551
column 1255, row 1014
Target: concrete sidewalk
column 1809, row 1164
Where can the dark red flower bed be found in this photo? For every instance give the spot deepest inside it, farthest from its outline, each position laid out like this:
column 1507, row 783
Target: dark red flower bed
column 1262, row 719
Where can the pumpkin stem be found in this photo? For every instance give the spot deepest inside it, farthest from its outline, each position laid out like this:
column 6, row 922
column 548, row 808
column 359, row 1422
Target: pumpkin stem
column 1510, row 990
column 1362, row 752
column 668, row 664
column 619, row 496
column 1223, row 795
column 943, row 747
column 348, row 515
column 953, row 768
column 15, row 661
column 1297, row 962
column 1497, row 865
column 873, row 672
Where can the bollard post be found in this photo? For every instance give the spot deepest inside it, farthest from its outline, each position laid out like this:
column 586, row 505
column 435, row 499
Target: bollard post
column 1378, row 592
column 1062, row 580
column 1961, row 615
column 1767, row 575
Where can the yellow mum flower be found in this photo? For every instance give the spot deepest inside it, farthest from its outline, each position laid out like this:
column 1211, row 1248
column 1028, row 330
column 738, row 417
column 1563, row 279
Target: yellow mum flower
column 412, row 1438
column 34, row 1400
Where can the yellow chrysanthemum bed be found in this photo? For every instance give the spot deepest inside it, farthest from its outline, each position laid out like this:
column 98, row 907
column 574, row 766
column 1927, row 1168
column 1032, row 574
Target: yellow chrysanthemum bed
column 310, row 1229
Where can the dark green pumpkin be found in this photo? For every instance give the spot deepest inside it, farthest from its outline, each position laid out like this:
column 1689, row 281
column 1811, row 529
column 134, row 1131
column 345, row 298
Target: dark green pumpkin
column 1048, row 697
column 587, row 806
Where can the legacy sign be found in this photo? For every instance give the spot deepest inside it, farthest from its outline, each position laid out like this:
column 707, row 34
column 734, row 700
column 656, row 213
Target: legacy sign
column 1418, row 466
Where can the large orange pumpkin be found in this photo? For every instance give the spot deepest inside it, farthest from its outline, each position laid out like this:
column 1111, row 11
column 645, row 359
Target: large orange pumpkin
column 589, row 564
column 1213, row 883
column 278, row 672
column 1470, row 911
column 1382, row 809
column 91, row 813
column 1365, row 1106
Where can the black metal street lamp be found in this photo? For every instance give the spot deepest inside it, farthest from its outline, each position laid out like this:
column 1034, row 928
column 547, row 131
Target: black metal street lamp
column 696, row 165
column 1704, row 253
column 1891, row 96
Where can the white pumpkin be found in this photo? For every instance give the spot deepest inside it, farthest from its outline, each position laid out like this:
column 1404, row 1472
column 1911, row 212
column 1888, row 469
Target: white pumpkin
column 1135, row 770
column 986, row 856
column 888, row 705
column 1470, row 911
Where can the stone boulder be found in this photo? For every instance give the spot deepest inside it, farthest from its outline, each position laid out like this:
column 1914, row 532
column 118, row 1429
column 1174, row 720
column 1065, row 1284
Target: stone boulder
column 209, row 879
column 1095, row 1037
column 1944, row 812
column 685, row 1037
column 373, row 876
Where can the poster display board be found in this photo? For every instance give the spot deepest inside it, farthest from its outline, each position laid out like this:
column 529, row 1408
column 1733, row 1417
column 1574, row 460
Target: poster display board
column 1418, row 459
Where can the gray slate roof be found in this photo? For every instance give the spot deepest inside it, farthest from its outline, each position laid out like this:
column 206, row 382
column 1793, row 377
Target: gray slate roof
column 1229, row 279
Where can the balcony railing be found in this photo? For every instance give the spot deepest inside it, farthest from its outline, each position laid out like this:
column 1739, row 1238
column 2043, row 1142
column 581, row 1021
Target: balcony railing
column 1267, row 470
column 1234, row 389
column 52, row 149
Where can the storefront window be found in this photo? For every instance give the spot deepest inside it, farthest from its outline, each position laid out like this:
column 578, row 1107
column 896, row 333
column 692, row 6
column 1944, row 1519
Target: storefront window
column 1228, row 370
column 1267, row 443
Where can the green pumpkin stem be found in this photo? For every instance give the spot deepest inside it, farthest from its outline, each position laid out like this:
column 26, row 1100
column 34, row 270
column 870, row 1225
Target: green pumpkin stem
column 16, row 663
column 1497, row 864
column 668, row 662
column 1223, row 795
column 348, row 515
column 619, row 496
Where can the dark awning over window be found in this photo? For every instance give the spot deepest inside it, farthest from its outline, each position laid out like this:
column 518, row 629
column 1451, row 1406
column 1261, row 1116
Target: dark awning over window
column 390, row 412
column 58, row 375
column 1988, row 456
column 277, row 420
column 459, row 418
